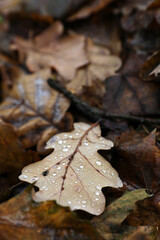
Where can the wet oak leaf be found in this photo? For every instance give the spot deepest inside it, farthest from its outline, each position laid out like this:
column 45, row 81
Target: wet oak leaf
column 74, row 173
column 12, row 155
column 51, row 49
column 36, row 110
column 21, row 218
column 102, row 64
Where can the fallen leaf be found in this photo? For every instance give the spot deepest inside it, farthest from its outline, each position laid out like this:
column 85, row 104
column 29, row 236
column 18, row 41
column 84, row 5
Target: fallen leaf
column 91, row 7
column 74, row 173
column 21, row 218
column 12, row 155
column 101, row 65
column 151, row 68
column 36, row 111
column 52, row 49
column 144, row 159
column 116, row 212
column 126, row 93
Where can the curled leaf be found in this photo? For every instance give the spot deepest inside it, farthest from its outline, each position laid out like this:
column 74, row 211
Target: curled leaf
column 74, row 173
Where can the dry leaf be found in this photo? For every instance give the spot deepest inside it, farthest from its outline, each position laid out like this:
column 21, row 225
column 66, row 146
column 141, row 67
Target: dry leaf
column 34, row 108
column 101, row 65
column 12, row 155
column 74, row 173
column 52, row 49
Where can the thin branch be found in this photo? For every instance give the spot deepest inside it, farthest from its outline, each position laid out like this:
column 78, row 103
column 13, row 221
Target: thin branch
column 95, row 113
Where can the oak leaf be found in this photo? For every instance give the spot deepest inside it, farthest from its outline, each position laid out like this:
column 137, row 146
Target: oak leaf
column 52, row 49
column 74, row 173
column 36, row 110
column 101, row 65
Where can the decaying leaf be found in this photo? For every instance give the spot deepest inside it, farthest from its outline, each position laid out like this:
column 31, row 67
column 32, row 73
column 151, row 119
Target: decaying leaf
column 101, row 65
column 144, row 159
column 52, row 49
column 74, row 173
column 124, row 92
column 12, row 155
column 109, row 222
column 21, row 218
column 33, row 108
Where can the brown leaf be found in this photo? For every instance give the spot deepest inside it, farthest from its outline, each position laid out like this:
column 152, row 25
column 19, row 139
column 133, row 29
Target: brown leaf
column 101, row 65
column 126, row 93
column 74, row 173
column 91, row 7
column 52, row 49
column 34, row 108
column 20, row 218
column 142, row 168
column 12, row 155
column 151, row 68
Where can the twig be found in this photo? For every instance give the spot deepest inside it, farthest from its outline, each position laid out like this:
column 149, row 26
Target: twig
column 95, row 113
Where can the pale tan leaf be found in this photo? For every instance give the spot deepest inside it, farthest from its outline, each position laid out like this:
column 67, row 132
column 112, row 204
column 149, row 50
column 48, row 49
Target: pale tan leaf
column 101, row 65
column 34, row 108
column 74, row 173
column 52, row 49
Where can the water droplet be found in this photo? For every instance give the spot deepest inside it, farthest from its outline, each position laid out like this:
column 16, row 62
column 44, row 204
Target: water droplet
column 63, row 163
column 34, row 179
column 77, row 188
column 112, row 173
column 84, row 202
column 59, row 167
column 69, row 202
column 77, row 134
column 65, row 149
column 96, row 198
column 96, row 193
column 54, row 174
column 46, row 168
column 98, row 163
column 104, row 171
column 81, row 166
column 25, row 171
column 25, row 176
column 60, row 141
column 70, row 136
column 68, row 146
column 98, row 187
column 65, row 135
column 86, row 143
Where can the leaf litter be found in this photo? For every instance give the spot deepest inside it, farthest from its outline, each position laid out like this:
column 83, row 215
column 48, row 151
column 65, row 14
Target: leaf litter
column 36, row 40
